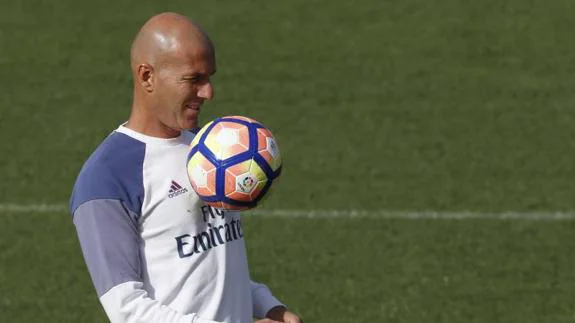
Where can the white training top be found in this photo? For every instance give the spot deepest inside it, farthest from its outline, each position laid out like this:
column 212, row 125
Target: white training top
column 155, row 252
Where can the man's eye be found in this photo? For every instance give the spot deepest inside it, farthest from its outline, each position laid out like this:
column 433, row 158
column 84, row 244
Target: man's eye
column 192, row 79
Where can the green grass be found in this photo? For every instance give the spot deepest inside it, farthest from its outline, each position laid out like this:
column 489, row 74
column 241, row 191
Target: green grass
column 399, row 105
column 340, row 270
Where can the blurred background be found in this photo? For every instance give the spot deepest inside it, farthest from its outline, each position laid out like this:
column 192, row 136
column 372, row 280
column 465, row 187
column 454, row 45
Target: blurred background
column 378, row 107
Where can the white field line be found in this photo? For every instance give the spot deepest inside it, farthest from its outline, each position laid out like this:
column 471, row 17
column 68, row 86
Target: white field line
column 32, row 208
column 347, row 214
column 417, row 215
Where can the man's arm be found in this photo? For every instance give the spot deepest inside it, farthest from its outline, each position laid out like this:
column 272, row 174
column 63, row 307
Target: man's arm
column 110, row 241
column 282, row 314
column 262, row 299
column 267, row 306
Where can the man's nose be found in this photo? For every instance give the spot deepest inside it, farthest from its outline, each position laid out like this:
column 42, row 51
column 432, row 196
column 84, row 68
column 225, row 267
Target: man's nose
column 206, row 91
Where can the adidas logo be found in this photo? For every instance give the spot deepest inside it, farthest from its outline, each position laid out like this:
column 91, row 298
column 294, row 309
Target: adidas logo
column 176, row 189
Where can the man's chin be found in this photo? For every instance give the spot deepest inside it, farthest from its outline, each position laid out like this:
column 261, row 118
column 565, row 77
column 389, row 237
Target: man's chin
column 189, row 120
column 189, row 124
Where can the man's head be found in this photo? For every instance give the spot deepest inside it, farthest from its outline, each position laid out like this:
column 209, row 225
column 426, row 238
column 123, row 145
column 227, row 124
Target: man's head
column 172, row 61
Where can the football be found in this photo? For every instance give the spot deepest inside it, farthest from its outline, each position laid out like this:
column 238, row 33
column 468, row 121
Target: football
column 233, row 162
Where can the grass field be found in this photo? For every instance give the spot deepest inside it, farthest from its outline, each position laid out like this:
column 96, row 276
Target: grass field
column 408, row 105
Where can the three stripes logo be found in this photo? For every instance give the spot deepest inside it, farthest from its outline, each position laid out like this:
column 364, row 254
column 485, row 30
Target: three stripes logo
column 176, row 189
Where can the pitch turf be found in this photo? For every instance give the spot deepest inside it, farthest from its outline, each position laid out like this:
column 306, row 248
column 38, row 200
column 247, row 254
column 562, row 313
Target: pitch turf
column 401, row 105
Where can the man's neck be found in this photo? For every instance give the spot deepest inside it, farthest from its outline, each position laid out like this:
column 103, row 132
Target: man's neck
column 152, row 128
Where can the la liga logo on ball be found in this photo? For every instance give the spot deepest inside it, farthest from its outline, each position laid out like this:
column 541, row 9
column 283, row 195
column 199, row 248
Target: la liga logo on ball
column 247, row 184
column 233, row 162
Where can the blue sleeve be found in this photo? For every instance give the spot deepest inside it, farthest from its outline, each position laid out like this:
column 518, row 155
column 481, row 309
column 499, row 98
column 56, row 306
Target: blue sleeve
column 110, row 242
column 113, row 171
column 106, row 204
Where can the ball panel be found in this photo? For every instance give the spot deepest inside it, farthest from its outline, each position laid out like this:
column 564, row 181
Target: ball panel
column 258, row 189
column 258, row 172
column 272, row 162
column 233, row 151
column 239, row 196
column 232, row 125
column 268, row 149
column 232, row 172
column 211, row 141
column 243, row 119
column 202, row 174
column 262, row 135
column 198, row 136
column 228, row 139
column 244, row 181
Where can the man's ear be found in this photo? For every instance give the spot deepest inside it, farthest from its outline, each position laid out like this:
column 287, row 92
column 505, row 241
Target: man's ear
column 146, row 77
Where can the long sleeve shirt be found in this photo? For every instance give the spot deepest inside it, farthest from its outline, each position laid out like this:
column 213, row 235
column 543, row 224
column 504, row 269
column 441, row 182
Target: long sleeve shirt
column 155, row 252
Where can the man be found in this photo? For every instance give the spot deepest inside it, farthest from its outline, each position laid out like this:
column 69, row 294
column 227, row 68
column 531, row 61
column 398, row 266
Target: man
column 134, row 209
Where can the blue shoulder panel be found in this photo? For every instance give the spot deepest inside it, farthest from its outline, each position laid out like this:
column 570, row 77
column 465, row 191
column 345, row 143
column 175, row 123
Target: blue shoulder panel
column 114, row 171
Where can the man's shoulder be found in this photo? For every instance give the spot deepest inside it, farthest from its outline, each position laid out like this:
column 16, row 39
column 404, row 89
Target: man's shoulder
column 114, row 151
column 113, row 171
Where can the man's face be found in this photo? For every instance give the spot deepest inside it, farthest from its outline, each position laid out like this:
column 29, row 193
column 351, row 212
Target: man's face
column 182, row 85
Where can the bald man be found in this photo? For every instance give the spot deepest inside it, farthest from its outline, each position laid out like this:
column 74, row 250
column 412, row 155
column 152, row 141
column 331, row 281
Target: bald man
column 154, row 251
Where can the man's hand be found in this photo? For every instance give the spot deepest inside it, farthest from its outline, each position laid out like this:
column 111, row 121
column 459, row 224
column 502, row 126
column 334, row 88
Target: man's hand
column 281, row 314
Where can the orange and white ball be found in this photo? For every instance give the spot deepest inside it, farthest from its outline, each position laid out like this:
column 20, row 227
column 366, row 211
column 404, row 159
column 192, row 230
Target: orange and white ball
column 233, row 162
